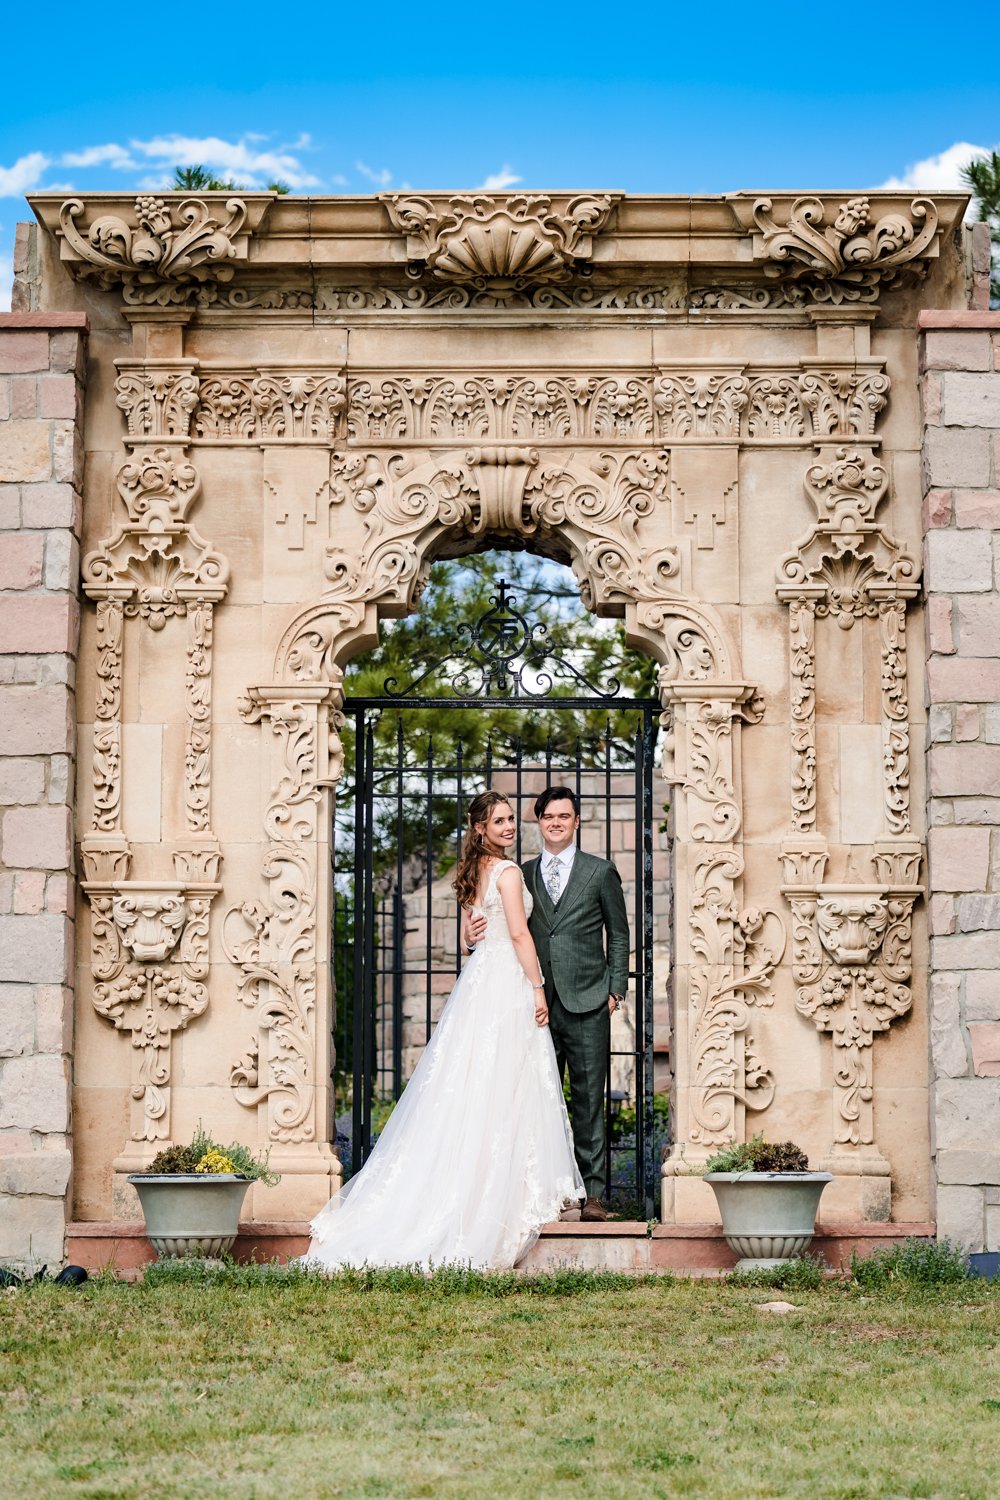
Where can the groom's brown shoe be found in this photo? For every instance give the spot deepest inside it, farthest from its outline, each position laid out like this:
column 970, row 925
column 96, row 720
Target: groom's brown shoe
column 593, row 1212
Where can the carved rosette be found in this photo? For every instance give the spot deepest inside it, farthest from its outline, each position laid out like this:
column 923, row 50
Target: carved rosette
column 149, row 954
column 851, row 962
column 275, row 944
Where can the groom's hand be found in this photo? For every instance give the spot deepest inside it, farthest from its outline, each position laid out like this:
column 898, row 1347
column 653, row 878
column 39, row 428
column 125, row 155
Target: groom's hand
column 615, row 1002
column 473, row 928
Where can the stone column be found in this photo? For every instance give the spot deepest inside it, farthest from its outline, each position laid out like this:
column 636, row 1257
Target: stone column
column 41, row 463
column 960, row 361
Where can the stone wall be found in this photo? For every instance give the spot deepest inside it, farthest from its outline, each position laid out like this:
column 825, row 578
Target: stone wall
column 41, row 471
column 960, row 359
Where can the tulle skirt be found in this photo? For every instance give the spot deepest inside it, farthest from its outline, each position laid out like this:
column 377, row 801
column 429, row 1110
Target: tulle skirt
column 478, row 1153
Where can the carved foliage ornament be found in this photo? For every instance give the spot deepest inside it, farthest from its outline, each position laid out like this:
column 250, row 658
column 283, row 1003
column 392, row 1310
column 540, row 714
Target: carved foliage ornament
column 499, row 244
column 853, row 252
column 181, row 242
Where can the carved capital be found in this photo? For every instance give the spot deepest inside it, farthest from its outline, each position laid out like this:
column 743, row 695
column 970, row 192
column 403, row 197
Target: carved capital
column 851, row 921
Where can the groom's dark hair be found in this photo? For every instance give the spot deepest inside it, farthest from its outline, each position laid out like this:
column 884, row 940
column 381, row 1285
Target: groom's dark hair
column 556, row 794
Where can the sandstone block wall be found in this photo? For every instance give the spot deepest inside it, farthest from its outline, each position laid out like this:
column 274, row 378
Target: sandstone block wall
column 960, row 385
column 41, row 474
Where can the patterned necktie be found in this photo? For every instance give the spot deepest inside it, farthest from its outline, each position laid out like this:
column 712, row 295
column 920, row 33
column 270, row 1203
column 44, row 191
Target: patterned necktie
column 553, row 880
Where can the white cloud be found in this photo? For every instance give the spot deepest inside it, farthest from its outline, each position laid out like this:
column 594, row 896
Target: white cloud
column 941, row 173
column 99, row 156
column 247, row 164
column 6, row 281
column 497, row 181
column 19, row 179
column 380, row 179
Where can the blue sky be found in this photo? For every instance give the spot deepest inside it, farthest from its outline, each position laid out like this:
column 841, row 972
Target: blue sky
column 645, row 98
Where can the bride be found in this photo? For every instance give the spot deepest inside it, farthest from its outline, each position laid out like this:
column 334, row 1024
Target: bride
column 478, row 1152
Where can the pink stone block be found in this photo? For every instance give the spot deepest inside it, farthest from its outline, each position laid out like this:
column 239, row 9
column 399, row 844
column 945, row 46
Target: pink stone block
column 60, row 895
column 66, row 353
column 957, row 456
column 954, row 680
column 942, row 914
column 57, row 396
column 20, row 350
column 979, row 624
column 985, row 1039
column 979, row 508
column 930, row 399
column 29, row 892
column 38, row 838
column 937, row 509
column 25, row 452
column 940, row 632
column 54, row 1018
column 50, row 505
column 35, row 721
column 972, row 400
column 967, row 723
column 24, row 398
column 958, row 858
column 20, row 564
column 959, row 350
column 39, row 623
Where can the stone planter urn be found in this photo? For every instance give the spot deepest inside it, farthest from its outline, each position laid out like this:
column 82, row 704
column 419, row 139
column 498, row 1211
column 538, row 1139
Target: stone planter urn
column 768, row 1218
column 190, row 1214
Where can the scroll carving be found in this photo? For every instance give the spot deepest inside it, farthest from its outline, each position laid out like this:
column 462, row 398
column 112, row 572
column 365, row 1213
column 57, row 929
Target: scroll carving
column 273, row 943
column 179, row 244
column 802, row 654
column 499, row 244
column 895, row 716
column 853, row 255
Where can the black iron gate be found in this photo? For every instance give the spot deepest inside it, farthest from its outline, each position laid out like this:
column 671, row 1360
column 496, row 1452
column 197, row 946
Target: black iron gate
column 396, row 941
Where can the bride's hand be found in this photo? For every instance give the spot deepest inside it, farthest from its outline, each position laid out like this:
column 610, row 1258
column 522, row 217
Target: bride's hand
column 541, row 1013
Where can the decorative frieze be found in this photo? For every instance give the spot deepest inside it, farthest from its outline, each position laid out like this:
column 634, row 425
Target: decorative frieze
column 157, row 399
column 274, row 405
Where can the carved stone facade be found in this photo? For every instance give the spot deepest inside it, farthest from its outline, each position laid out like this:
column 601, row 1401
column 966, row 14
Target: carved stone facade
column 709, row 411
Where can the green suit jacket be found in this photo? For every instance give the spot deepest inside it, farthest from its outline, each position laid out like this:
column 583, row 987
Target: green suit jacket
column 583, row 943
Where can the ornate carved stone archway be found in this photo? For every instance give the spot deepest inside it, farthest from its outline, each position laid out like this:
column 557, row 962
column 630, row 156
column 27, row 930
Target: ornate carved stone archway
column 685, row 401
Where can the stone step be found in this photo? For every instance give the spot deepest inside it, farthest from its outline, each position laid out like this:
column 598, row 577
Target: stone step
column 618, row 1245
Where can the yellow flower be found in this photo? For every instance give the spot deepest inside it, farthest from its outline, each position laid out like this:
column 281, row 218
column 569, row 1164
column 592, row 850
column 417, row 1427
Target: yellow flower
column 215, row 1161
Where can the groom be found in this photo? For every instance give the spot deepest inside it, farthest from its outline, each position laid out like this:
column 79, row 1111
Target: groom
column 580, row 930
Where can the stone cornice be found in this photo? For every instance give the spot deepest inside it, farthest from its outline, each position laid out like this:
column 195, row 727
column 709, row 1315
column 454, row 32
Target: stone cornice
column 599, row 250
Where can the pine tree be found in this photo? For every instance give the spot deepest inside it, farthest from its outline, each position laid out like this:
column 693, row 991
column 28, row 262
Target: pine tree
column 983, row 177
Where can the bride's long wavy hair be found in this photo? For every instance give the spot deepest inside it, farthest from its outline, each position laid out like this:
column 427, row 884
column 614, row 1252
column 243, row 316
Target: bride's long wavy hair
column 475, row 849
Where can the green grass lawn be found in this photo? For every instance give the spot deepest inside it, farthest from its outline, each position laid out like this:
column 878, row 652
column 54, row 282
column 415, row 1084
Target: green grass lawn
column 568, row 1386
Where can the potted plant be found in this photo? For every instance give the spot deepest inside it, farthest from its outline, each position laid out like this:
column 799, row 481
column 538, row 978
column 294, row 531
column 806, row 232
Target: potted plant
column 191, row 1196
column 768, row 1199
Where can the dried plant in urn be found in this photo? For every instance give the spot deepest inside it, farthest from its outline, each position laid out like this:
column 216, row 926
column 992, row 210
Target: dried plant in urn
column 192, row 1195
column 768, row 1199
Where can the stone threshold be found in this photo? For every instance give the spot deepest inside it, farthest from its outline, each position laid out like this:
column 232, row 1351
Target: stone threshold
column 620, row 1245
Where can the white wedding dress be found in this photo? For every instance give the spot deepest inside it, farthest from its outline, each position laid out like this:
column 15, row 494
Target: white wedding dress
column 478, row 1153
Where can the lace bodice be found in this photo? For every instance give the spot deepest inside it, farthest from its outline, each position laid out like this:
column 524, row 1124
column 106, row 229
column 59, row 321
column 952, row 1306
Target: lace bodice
column 492, row 906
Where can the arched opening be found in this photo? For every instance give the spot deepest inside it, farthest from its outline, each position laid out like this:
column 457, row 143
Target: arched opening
column 501, row 677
